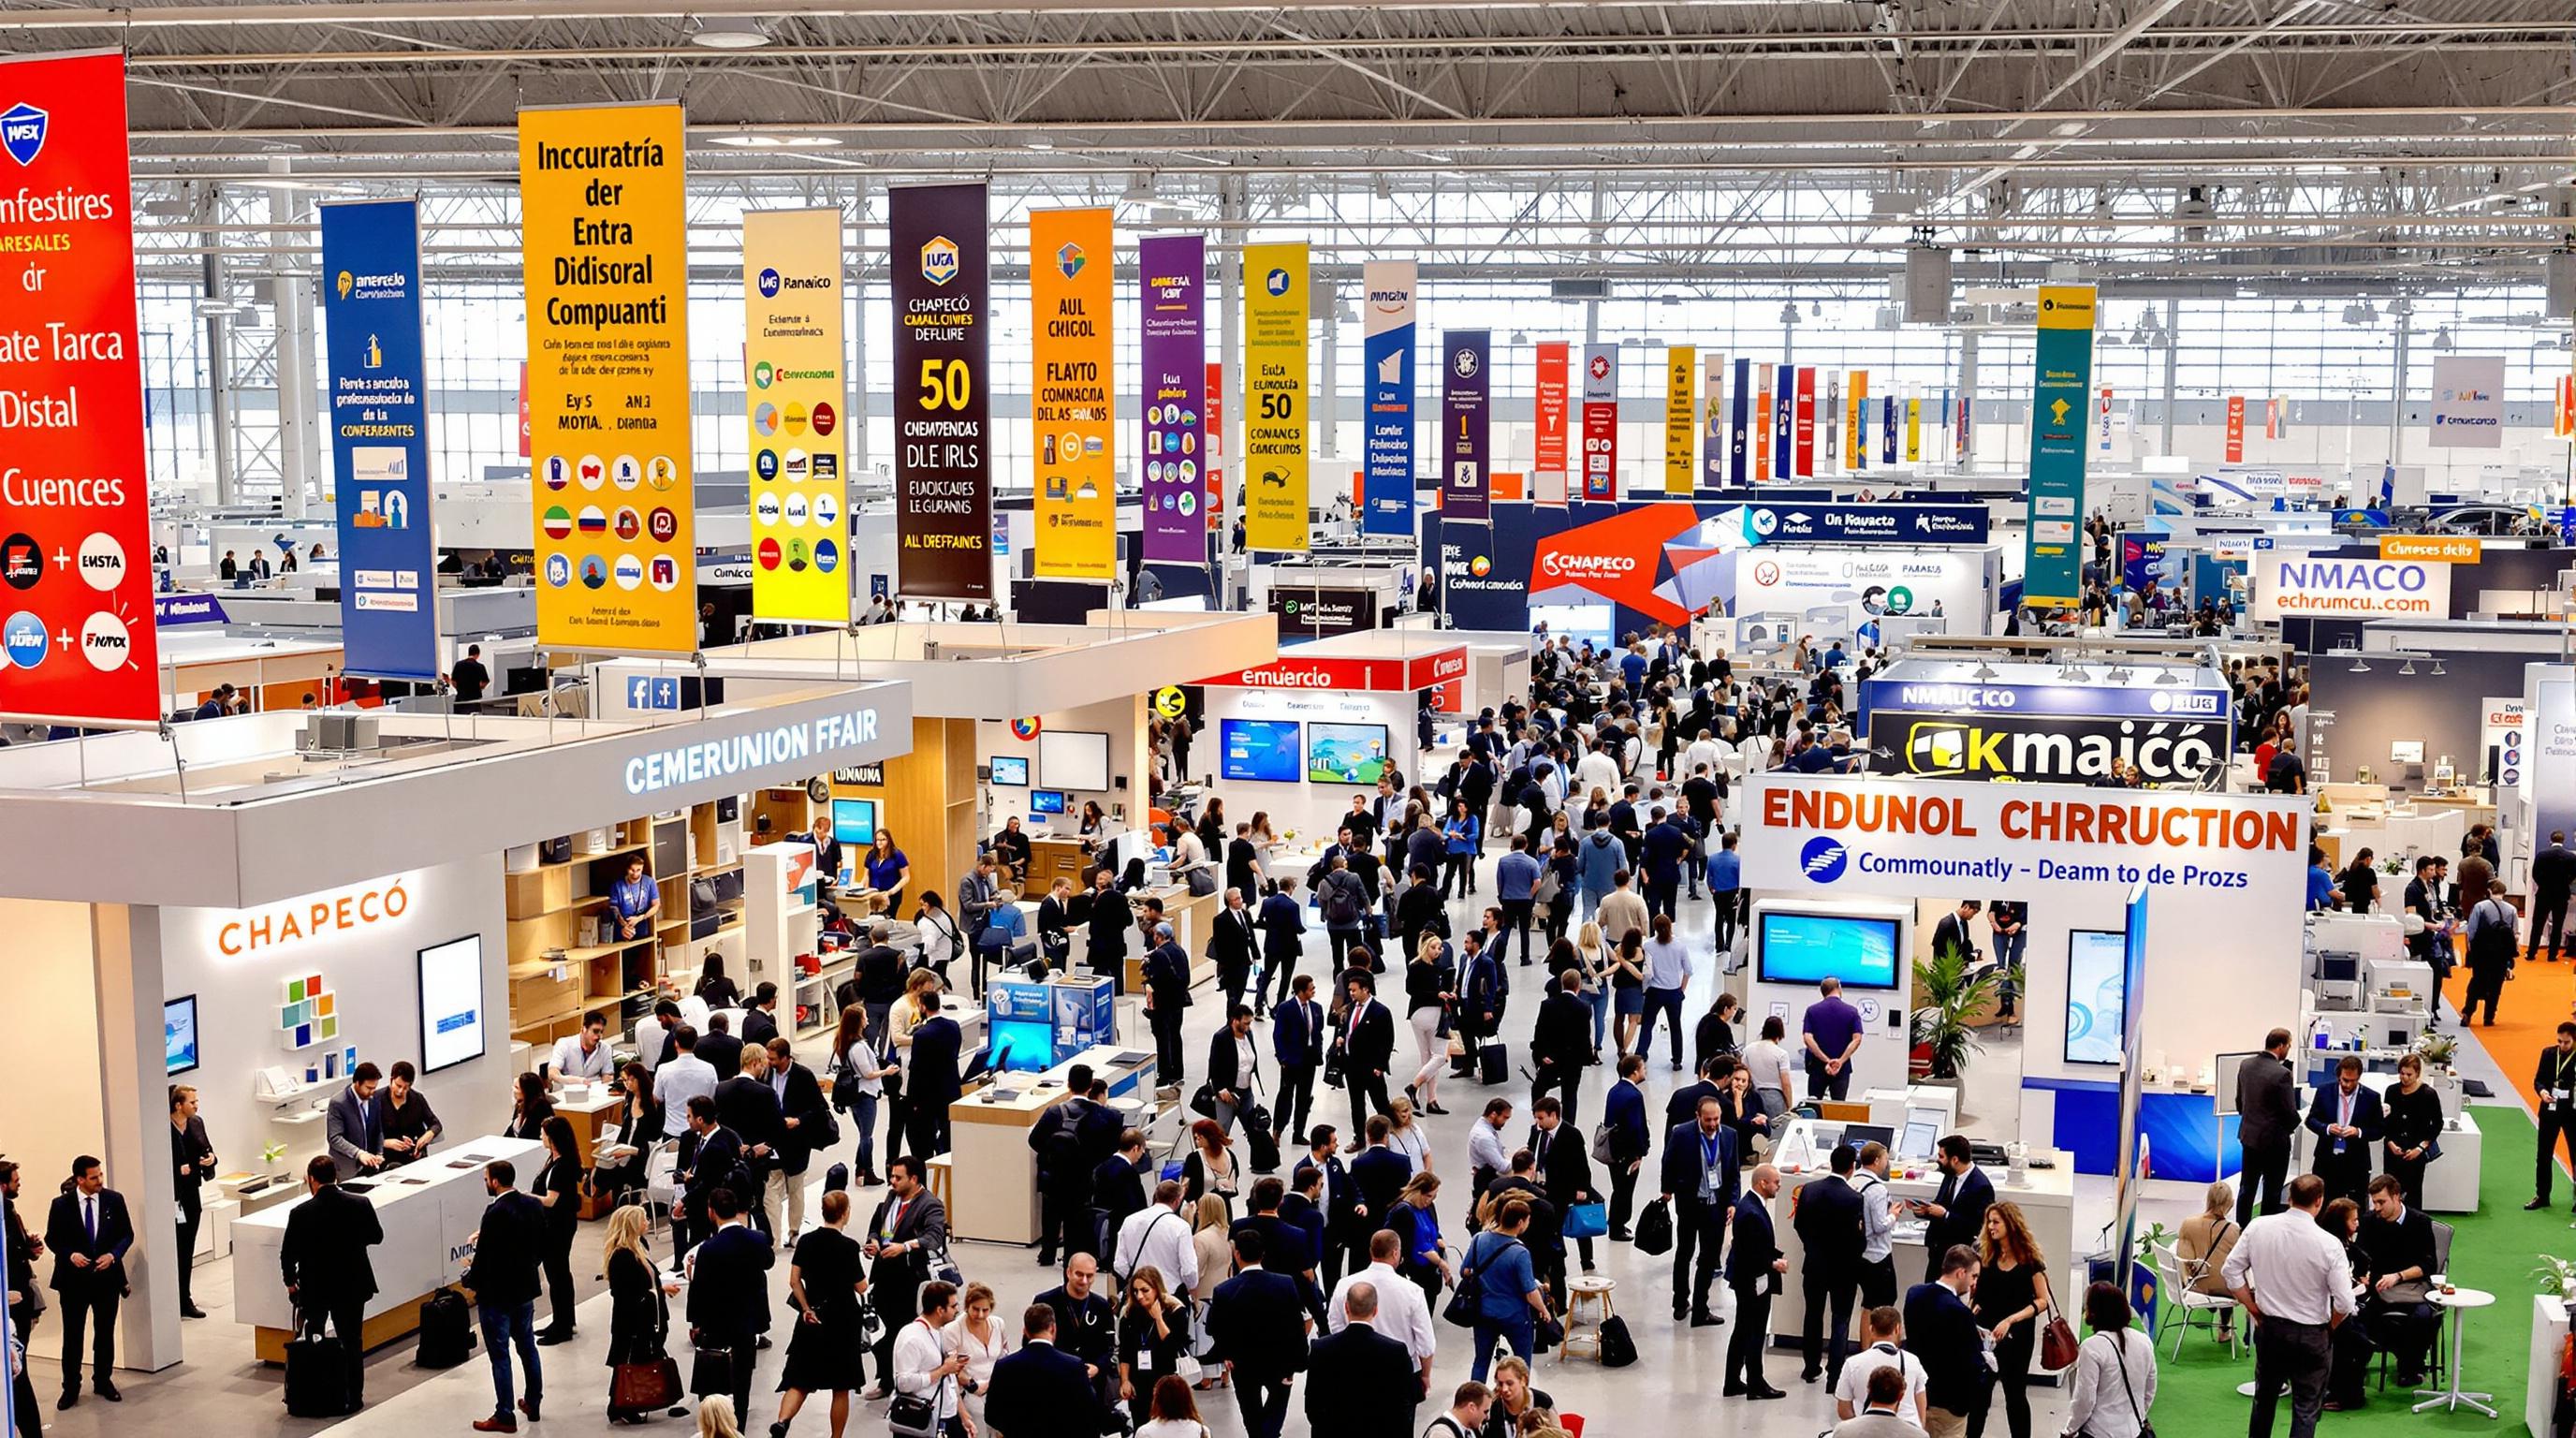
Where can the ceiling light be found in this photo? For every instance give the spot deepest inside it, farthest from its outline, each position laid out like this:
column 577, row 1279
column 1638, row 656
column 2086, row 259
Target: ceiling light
column 2118, row 675
column 2438, row 671
column 1985, row 673
column 1789, row 313
column 2169, row 676
column 755, row 141
column 1816, row 308
column 1519, row 338
column 1039, row 142
column 2408, row 667
column 2358, row 667
column 729, row 32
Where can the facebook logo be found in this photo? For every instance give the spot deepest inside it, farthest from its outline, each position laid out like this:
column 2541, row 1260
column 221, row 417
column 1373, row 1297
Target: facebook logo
column 645, row 691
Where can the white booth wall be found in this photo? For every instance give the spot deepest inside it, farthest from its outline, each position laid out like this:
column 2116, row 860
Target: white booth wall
column 51, row 1094
column 1830, row 586
column 1308, row 807
column 1130, row 758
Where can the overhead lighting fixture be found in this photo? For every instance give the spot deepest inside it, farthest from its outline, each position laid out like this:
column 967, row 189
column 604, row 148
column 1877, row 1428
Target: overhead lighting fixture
column 1985, row 673
column 2358, row 667
column 1816, row 308
column 1519, row 338
column 1039, row 142
column 757, row 141
column 166, row 207
column 2438, row 671
column 2408, row 667
column 2169, row 676
column 729, row 32
column 1789, row 313
column 2118, row 675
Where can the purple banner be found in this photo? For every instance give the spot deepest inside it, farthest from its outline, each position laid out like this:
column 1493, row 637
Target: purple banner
column 1174, row 269
column 1466, row 424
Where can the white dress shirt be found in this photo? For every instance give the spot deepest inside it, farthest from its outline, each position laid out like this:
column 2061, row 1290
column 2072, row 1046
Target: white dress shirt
column 2102, row 1406
column 918, row 1349
column 1485, row 1148
column 571, row 1063
column 1403, row 1314
column 2297, row 1271
column 1853, row 1386
column 675, row 1083
column 1157, row 1237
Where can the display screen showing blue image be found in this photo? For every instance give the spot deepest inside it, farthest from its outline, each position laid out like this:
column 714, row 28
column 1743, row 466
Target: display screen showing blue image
column 1259, row 749
column 179, row 1034
column 1347, row 754
column 1011, row 771
column 1810, row 948
column 854, row 821
column 2097, row 995
column 1046, row 801
column 1022, row 1044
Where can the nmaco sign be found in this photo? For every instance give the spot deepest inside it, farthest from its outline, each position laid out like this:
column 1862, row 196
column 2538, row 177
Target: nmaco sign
column 2294, row 585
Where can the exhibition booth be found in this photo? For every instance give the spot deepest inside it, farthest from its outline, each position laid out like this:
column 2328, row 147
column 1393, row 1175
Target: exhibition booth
column 2066, row 722
column 1298, row 736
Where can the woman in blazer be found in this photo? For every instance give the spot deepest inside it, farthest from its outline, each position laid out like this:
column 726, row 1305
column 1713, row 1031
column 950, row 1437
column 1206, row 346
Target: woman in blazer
column 529, row 1108
column 1211, row 1167
column 639, row 1311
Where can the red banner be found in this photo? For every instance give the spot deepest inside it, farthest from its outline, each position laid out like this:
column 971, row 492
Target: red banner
column 1762, row 425
column 525, row 451
column 1215, row 444
column 2563, row 419
column 76, row 642
column 1554, row 359
column 1806, row 423
column 1390, row 675
column 2236, row 429
column 2272, row 417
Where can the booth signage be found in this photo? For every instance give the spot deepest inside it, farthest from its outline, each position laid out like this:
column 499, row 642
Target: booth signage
column 798, row 398
column 76, row 635
column 1073, row 411
column 1173, row 335
column 938, row 254
column 1383, row 676
column 1766, row 423
column 1887, row 429
column 379, row 438
column 1855, row 405
column 2061, row 379
column 2057, row 700
column 1681, row 373
column 1466, row 425
column 1739, row 424
column 2551, row 776
column 1311, row 612
column 2432, row 548
column 1806, row 431
column 1548, row 458
column 2503, row 737
column 2292, row 584
column 2045, row 749
column 1600, row 421
column 605, row 231
column 735, row 754
column 1386, row 347
column 2468, row 402
column 1275, row 372
column 1865, row 524
column 169, row 610
column 1712, row 440
column 332, row 914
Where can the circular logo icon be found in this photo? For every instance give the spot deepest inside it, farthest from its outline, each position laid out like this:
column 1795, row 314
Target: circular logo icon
column 104, row 643
column 591, row 470
column 1766, row 573
column 661, row 473
column 2159, row 701
column 102, row 562
column 22, row 561
column 1278, row 282
column 1020, row 728
column 2513, row 738
column 1480, row 566
column 1169, row 701
column 558, row 471
column 796, row 556
column 558, row 522
column 626, row 472
column 630, row 572
column 1189, row 444
column 662, row 524
column 1824, row 858
column 594, row 572
column 827, row 512
column 558, row 570
column 23, row 640
column 1765, row 521
column 826, row 419
column 592, row 520
column 764, row 419
column 827, row 555
column 767, row 554
column 1189, row 470
column 1153, row 414
column 1189, row 503
column 765, row 464
column 1900, row 600
column 2511, row 776
column 768, row 284
column 797, row 462
column 796, row 510
column 664, row 571
column 1465, row 363
column 762, row 376
column 765, row 509
column 629, row 525
column 795, row 418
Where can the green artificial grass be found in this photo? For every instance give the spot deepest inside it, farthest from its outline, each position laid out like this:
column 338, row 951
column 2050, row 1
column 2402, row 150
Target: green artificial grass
column 2494, row 1249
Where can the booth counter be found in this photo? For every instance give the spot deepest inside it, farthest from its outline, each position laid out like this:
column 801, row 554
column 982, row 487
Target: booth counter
column 1298, row 737
column 993, row 1193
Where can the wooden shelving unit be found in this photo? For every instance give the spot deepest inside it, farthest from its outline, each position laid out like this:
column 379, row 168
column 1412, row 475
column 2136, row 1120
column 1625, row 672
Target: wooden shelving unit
column 562, row 966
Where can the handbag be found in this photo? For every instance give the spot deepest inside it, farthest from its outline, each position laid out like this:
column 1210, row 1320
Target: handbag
column 2057, row 1346
column 710, row 1372
column 652, row 1383
column 1548, row 1333
column 1587, row 1220
column 1655, row 1228
column 912, row 1416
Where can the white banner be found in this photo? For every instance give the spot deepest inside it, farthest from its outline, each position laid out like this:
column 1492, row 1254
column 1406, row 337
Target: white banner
column 2293, row 584
column 2468, row 402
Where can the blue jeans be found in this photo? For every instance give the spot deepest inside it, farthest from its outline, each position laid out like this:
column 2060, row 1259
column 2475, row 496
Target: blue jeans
column 1597, row 998
column 1667, row 1002
column 863, row 1117
column 502, row 1328
column 1521, row 1333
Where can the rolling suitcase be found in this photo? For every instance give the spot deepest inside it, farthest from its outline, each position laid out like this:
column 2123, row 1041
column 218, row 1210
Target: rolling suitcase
column 317, row 1382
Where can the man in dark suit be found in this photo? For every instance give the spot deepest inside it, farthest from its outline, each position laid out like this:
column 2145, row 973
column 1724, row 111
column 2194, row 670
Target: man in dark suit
column 718, row 1046
column 1379, row 1173
column 1346, row 1226
column 2555, row 1082
column 1561, row 1044
column 1700, row 1177
column 1297, row 1046
column 1957, row 1214
column 1257, row 1322
column 910, row 1225
column 1232, row 946
column 1035, row 1389
column 729, row 1294
column 1119, row 1187
column 1111, row 918
column 931, row 1079
column 1753, row 1268
column 2398, row 1241
column 90, row 1234
column 1234, row 1066
column 2267, row 1107
column 353, row 1130
column 1283, row 921
column 1055, row 923
column 760, row 1017
column 509, row 1248
column 748, row 1106
column 1565, row 1171
column 2346, row 1119
column 1366, row 1037
column 1683, row 1106
column 1167, row 1002
column 709, row 1157
column 804, row 1115
column 1284, row 1242
column 1063, row 1173
column 1952, row 931
column 1364, row 1384
column 1941, row 1329
column 1829, row 1224
column 328, row 1274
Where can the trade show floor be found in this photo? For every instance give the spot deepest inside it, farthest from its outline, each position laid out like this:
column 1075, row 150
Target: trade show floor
column 2537, row 999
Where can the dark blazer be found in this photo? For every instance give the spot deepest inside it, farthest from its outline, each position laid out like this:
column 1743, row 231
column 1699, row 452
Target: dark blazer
column 347, row 1126
column 759, row 1026
column 638, row 1314
column 893, row 1283
column 1562, row 1036
column 1342, row 1205
column 1941, row 1330
column 1111, row 918
column 1967, row 1201
column 932, row 1075
column 1624, row 1109
column 1283, row 1244
column 1037, row 1390
column 711, row 1165
column 2267, row 1101
column 1683, row 1106
column 1118, row 1189
column 1054, row 923
column 1371, row 1044
column 723, row 1052
column 65, row 1236
column 507, row 1249
column 1565, row 1163
column 1379, row 1174
column 1222, row 1061
column 1167, row 976
column 1829, row 1224
column 728, row 1281
column 1297, row 1034
column 749, row 1107
column 324, row 1255
column 1232, row 943
column 1257, row 1319
column 806, row 1105
column 1749, row 1257
column 1087, row 1328
column 2546, row 1080
column 2366, row 1116
column 1362, row 1384
column 1681, row 1168
column 1282, row 920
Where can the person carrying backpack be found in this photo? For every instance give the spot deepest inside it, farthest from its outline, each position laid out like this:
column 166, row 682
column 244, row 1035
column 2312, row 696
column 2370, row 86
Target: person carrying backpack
column 2493, row 943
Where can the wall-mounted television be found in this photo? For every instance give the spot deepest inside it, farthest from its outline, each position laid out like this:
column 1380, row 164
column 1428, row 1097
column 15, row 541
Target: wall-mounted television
column 1046, row 801
column 179, row 1035
column 2097, row 995
column 1011, row 770
column 1345, row 753
column 1264, row 750
column 1810, row 948
column 451, row 1003
column 854, row 821
column 1074, row 759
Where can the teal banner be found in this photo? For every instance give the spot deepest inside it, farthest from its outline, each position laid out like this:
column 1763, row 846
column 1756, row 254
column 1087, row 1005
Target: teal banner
column 2060, row 410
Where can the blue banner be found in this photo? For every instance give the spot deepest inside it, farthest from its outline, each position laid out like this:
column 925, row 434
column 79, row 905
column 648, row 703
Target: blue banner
column 1466, row 424
column 1887, row 429
column 1786, row 523
column 2093, row 701
column 1386, row 484
column 378, row 397
column 1739, row 426
column 171, row 610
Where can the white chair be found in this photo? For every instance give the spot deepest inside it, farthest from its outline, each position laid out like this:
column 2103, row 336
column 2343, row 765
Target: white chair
column 2180, row 1302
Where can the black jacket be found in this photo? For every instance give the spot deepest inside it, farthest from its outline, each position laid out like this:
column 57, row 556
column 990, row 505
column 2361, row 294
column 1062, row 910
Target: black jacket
column 1369, row 1044
column 2266, row 1101
column 749, row 1107
column 324, row 1255
column 715, row 1161
column 805, row 1104
column 1257, row 1319
column 1111, row 918
column 932, row 1076
column 2552, row 870
column 729, row 1281
column 1829, row 1224
column 1362, row 1384
column 1683, row 1106
column 1967, row 1201
column 1232, row 942
column 1167, row 977
column 1564, row 1165
column 1282, row 920
column 1296, row 1034
column 759, row 1026
column 2548, row 1079
column 1118, row 1189
column 1756, row 1244
column 1087, row 1328
column 722, row 1052
column 1561, row 1039
column 66, row 1235
column 1941, row 1330
column 1683, row 1152
column 507, row 1249
column 1378, row 1175
column 1223, row 1062
column 1037, row 1389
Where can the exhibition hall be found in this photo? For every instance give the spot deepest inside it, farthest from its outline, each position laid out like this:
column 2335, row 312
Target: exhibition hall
column 1393, row 720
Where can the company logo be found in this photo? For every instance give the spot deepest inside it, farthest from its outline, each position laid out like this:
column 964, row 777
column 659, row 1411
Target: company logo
column 768, row 289
column 2038, row 750
column 765, row 509
column 1465, row 363
column 102, row 562
column 346, row 283
column 939, row 260
column 558, row 522
column 824, row 419
column 592, row 471
column 662, row 472
column 23, row 640
column 594, row 572
column 768, row 554
column 558, row 472
column 628, row 524
column 22, row 132
column 1480, row 566
column 1824, row 858
column 1766, row 573
column 630, row 572
column 663, row 525
column 765, row 463
column 592, row 520
column 1765, row 522
column 1587, row 566
column 1070, row 260
column 1598, row 366
column 1020, row 728
column 666, row 573
column 762, row 375
column 2166, row 702
column 22, row 562
column 796, row 510
column 104, row 643
column 827, row 555
column 558, row 570
column 1277, row 283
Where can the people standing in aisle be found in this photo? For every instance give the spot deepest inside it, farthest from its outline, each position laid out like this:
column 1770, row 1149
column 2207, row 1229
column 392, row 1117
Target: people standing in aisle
column 23, row 1250
column 2554, row 1083
column 983, row 1340
column 1941, row 1330
column 1167, row 1004
column 1767, row 1060
column 1516, row 880
column 1956, row 1214
column 329, row 1274
column 932, row 1079
column 1828, row 1221
column 1877, row 1226
column 192, row 1162
column 1068, row 1141
column 639, row 1301
column 2012, row 1299
column 1233, row 945
column 351, row 1130
column 509, row 1247
column 1631, row 1141
column 2346, row 1120
column 1153, row 1336
column 558, row 1190
column 1462, row 833
column 2410, row 1135
column 1561, row 1044
column 1365, row 1037
column 1297, row 1040
column 924, row 1368
column 1726, row 887
column 1565, row 1171
column 2294, row 1283
column 910, row 1224
column 2115, row 1379
column 858, row 1086
column 1403, row 1302
column 1086, row 1326
column 2553, row 872
column 2267, row 1105
column 709, row 1158
column 90, row 1235
column 825, row 1281
column 1040, row 1389
column 1700, row 1178
column 1754, row 1265
column 1831, row 1032
column 1484, row 995
column 1107, row 922
column 1667, row 981
column 1510, row 1302
column 2492, row 945
column 1363, row 1383
column 1714, row 1034
column 1258, row 1328
column 1283, row 926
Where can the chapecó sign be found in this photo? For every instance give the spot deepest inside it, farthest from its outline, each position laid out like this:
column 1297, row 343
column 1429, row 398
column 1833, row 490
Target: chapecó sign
column 2044, row 749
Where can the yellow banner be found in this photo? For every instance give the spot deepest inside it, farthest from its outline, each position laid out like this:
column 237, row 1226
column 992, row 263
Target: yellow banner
column 1274, row 396
column 1681, row 419
column 798, row 400
column 1855, row 400
column 604, row 235
column 1913, row 430
column 2432, row 548
column 1071, row 409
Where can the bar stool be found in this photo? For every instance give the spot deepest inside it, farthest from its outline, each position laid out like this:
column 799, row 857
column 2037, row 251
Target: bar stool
column 1587, row 1307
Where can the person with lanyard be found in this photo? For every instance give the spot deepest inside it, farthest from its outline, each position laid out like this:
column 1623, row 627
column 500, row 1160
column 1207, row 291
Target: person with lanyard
column 192, row 1160
column 635, row 899
column 2555, row 1083
column 584, row 1057
column 1700, row 1180
column 924, row 1370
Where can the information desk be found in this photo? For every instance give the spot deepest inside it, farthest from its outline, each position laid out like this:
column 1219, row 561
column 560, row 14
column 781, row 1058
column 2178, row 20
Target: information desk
column 2046, row 1199
column 429, row 1212
column 997, row 1196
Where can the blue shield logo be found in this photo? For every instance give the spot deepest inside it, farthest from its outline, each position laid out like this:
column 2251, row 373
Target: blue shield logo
column 22, row 132
column 769, row 284
column 1824, row 858
column 1278, row 282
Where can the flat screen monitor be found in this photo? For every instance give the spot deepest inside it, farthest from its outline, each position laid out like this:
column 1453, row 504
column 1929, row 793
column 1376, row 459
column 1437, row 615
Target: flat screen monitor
column 1922, row 1135
column 1806, row 949
column 1857, row 1134
column 2405, row 751
column 179, row 1034
column 1046, row 801
column 854, row 821
column 451, row 1003
column 1022, row 1044
column 1073, row 759
column 1011, row 771
column 2096, row 995
column 1345, row 753
column 1263, row 750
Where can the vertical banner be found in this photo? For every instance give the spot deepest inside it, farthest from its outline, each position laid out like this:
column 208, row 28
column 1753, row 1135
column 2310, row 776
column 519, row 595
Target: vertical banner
column 1855, row 403
column 1887, row 428
column 1806, row 422
column 1600, row 421
column 380, row 439
column 1739, row 425
column 1784, row 405
column 524, row 449
column 76, row 635
column 1072, row 411
column 1829, row 408
column 2562, row 415
column 604, row 223
column 1466, row 424
column 2236, row 429
column 1173, row 343
column 2102, row 419
column 1913, row 429
column 2273, row 413
column 2061, row 382
column 1681, row 374
column 937, row 253
column 1712, row 439
column 1275, row 370
column 1959, row 429
column 794, row 300
column 1216, row 444
column 1548, row 466
column 2468, row 402
column 1386, row 349
column 1765, row 422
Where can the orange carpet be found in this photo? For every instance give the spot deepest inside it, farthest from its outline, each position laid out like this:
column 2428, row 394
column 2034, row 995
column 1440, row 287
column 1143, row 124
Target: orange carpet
column 2537, row 999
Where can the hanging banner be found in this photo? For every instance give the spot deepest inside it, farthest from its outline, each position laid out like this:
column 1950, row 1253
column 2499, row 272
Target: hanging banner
column 76, row 630
column 1784, row 406
column 2468, row 402
column 524, row 449
column 1712, row 440
column 793, row 299
column 1600, row 421
column 1466, row 424
column 1739, row 424
column 2061, row 381
column 1072, row 412
column 2102, row 419
column 1275, row 369
column 604, row 223
column 1386, row 349
column 1855, row 400
column 378, row 398
column 2274, row 411
column 1913, row 429
column 1829, row 410
column 1548, row 462
column 1681, row 376
column 1216, row 444
column 2236, row 429
column 1959, row 429
column 1765, row 420
column 2562, row 415
column 1887, row 428
column 1173, row 341
column 1806, row 423
column 937, row 254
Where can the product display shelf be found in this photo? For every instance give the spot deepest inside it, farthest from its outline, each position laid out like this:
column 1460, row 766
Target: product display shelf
column 562, row 966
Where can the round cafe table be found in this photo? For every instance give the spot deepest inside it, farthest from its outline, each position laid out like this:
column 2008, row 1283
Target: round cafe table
column 2459, row 1301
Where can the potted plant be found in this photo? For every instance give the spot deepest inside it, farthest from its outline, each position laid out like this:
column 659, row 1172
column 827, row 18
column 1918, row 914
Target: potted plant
column 2437, row 1050
column 1945, row 998
column 2143, row 1279
column 269, row 1154
column 2557, row 1275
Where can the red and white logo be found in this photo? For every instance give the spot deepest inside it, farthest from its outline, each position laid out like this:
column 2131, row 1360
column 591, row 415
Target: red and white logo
column 1600, row 366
